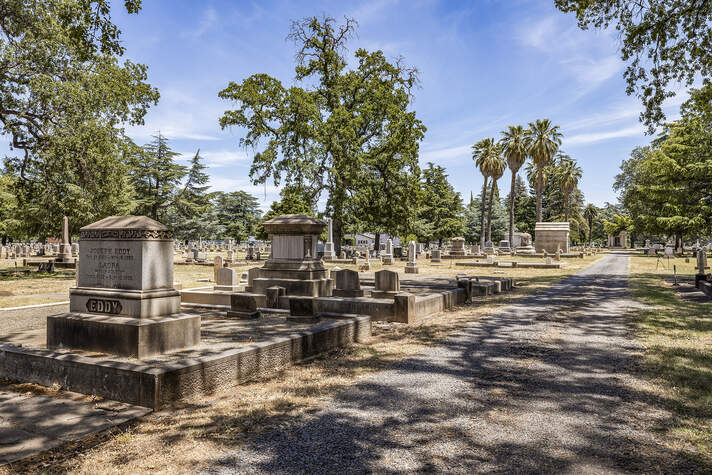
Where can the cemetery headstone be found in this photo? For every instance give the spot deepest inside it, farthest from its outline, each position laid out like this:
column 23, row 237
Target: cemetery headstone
column 387, row 284
column 124, row 302
column 346, row 283
column 411, row 267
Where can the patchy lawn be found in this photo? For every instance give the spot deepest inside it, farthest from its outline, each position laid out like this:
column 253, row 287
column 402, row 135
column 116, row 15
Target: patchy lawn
column 677, row 335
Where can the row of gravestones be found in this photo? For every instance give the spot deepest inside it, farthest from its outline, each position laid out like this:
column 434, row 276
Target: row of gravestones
column 35, row 249
column 348, row 284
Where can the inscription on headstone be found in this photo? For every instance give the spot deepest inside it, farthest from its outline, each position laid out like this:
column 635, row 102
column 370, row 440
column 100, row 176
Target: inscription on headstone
column 112, row 307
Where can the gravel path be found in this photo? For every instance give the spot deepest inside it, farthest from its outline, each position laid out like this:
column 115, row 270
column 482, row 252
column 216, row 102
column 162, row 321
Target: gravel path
column 28, row 318
column 547, row 385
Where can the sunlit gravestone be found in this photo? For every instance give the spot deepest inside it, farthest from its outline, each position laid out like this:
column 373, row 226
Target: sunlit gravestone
column 124, row 302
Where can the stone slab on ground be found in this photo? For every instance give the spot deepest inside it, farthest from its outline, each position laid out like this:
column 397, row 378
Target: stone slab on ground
column 231, row 352
column 32, row 423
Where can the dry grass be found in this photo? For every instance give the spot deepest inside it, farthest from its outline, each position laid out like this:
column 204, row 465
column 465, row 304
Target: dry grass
column 198, row 431
column 677, row 336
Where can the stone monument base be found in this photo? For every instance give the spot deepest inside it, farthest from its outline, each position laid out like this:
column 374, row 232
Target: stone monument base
column 384, row 294
column 524, row 250
column 411, row 269
column 347, row 293
column 457, row 253
column 124, row 303
column 124, row 336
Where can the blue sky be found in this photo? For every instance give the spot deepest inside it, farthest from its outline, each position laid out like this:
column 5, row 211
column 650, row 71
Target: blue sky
column 484, row 65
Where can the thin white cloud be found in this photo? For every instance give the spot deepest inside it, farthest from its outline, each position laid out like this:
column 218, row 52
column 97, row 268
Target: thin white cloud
column 207, row 21
column 585, row 56
column 624, row 111
column 371, row 9
column 592, row 137
column 447, row 154
column 223, row 158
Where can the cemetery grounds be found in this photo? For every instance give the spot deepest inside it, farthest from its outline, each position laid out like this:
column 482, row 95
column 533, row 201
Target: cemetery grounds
column 677, row 360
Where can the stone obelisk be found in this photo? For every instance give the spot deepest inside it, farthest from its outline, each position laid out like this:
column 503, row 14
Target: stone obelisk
column 65, row 248
column 329, row 246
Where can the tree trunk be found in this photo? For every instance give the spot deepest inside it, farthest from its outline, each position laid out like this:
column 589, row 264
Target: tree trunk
column 539, row 192
column 489, row 213
column 566, row 208
column 337, row 235
column 511, row 209
column 482, row 214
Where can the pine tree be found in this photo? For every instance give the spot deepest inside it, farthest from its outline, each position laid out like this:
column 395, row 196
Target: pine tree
column 239, row 213
column 155, row 177
column 441, row 205
column 191, row 213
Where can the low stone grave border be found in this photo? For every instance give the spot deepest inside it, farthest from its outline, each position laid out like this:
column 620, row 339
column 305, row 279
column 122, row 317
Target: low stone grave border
column 157, row 386
column 520, row 265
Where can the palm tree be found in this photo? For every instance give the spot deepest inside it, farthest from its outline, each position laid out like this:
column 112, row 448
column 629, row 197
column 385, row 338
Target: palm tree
column 590, row 213
column 515, row 149
column 544, row 140
column 484, row 153
column 496, row 171
column 569, row 174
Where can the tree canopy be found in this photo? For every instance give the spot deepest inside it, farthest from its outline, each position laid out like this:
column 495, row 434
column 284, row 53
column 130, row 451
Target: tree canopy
column 663, row 41
column 345, row 132
column 63, row 101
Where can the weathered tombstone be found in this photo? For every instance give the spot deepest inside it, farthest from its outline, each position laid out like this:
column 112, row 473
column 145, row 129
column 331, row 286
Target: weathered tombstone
column 302, row 309
column 342, row 255
column 273, row 294
column 226, row 280
column 411, row 267
column 252, row 274
column 387, row 284
column 231, row 255
column 504, row 247
column 701, row 267
column 346, row 283
column 246, row 306
column 75, row 249
column 557, row 256
column 124, row 302
column 387, row 256
column 217, row 265
column 489, row 247
column 435, row 255
column 458, row 247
